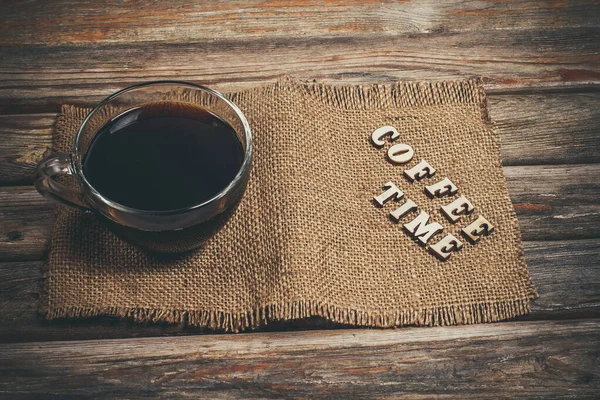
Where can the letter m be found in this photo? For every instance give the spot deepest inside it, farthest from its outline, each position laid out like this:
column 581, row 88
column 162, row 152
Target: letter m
column 420, row 229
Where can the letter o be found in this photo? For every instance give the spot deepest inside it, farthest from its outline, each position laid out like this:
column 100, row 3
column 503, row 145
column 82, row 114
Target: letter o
column 400, row 153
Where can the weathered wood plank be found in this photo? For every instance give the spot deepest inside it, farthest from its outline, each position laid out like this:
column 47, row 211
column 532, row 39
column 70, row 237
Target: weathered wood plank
column 547, row 128
column 534, row 129
column 553, row 202
column 522, row 359
column 25, row 223
column 556, row 202
column 40, row 77
column 566, row 274
column 135, row 21
column 24, row 140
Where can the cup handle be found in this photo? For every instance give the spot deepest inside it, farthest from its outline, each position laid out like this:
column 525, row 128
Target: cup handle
column 50, row 167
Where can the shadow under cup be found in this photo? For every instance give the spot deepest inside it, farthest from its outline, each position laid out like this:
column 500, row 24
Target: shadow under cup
column 165, row 230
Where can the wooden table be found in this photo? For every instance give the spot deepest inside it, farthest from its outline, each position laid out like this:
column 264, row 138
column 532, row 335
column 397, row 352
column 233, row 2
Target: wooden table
column 541, row 64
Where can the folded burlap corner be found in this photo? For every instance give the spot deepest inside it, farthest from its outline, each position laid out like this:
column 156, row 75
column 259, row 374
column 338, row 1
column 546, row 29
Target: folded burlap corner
column 307, row 238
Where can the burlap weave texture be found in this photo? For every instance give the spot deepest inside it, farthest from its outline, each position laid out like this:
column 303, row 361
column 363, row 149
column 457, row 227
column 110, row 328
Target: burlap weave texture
column 306, row 238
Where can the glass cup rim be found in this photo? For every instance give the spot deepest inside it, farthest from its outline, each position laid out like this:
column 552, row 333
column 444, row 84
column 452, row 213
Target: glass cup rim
column 238, row 179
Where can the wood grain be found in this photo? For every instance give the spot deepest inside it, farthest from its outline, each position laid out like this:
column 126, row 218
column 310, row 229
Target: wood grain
column 566, row 274
column 553, row 202
column 25, row 223
column 522, row 359
column 534, row 129
column 39, row 78
column 547, row 128
column 556, row 202
column 25, row 139
column 80, row 22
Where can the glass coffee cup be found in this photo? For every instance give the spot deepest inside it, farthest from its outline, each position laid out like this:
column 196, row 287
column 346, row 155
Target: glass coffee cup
column 163, row 164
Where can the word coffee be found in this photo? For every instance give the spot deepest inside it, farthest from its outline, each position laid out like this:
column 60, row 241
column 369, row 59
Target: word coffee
column 420, row 228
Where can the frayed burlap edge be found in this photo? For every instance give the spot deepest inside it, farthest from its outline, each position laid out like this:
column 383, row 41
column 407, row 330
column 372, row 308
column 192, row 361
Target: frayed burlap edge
column 350, row 97
column 236, row 322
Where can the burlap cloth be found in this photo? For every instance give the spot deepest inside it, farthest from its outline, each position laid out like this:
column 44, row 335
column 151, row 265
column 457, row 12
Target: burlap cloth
column 307, row 239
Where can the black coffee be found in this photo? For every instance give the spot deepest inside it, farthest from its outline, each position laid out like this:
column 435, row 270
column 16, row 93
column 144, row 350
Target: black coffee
column 163, row 156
